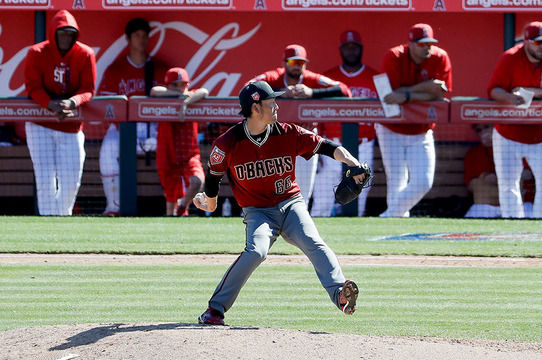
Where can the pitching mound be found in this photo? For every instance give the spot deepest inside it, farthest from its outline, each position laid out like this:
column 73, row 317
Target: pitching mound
column 190, row 341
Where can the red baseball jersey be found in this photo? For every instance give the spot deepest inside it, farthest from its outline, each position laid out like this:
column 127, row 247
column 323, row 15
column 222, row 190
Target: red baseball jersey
column 123, row 77
column 514, row 69
column 277, row 80
column 403, row 71
column 361, row 85
column 48, row 75
column 262, row 173
column 478, row 160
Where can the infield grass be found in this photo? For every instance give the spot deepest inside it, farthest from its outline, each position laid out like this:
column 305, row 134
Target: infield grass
column 226, row 235
column 481, row 303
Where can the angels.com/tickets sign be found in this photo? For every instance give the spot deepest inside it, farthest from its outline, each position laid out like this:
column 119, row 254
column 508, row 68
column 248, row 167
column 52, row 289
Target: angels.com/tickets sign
column 355, row 110
column 147, row 109
column 227, row 110
column 490, row 111
column 280, row 5
column 100, row 109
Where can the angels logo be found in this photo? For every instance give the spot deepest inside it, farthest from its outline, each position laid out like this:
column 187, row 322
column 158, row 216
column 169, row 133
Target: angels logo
column 217, row 156
column 109, row 112
column 424, row 74
column 78, row 4
column 439, row 5
column 260, row 5
column 255, row 96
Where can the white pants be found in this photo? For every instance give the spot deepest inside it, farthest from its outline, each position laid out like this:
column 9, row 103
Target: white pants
column 483, row 211
column 494, row 211
column 330, row 174
column 409, row 161
column 305, row 173
column 508, row 156
column 109, row 151
column 58, row 159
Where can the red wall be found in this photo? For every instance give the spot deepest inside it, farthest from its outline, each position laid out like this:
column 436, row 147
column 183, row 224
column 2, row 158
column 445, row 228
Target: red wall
column 474, row 41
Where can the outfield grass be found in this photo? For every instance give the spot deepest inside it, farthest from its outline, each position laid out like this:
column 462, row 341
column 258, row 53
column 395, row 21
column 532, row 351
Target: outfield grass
column 485, row 303
column 226, row 235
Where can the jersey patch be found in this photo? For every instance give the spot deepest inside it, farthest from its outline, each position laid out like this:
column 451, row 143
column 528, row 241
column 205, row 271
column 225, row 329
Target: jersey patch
column 217, row 156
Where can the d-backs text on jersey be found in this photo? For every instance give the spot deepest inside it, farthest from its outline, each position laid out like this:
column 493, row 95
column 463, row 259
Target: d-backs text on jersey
column 262, row 168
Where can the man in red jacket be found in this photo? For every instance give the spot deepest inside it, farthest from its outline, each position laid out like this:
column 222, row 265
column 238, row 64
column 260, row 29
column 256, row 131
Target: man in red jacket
column 59, row 75
column 518, row 67
column 418, row 71
column 300, row 83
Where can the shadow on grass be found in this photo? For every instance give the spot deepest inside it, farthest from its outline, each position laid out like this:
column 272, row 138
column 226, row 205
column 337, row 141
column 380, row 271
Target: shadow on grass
column 94, row 335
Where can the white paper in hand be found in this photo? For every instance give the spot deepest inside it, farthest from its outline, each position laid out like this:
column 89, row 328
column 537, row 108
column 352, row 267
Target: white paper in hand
column 527, row 98
column 383, row 88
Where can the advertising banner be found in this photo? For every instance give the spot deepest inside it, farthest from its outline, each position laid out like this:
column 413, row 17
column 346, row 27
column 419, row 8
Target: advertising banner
column 100, row 109
column 491, row 112
column 310, row 111
column 281, row 5
column 221, row 53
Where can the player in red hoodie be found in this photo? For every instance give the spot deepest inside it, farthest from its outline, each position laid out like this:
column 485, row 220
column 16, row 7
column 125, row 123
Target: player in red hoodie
column 59, row 75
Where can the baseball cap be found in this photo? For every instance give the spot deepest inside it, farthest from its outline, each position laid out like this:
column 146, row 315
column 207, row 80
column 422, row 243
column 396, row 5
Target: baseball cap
column 255, row 92
column 176, row 74
column 533, row 31
column 421, row 33
column 350, row 36
column 295, row 52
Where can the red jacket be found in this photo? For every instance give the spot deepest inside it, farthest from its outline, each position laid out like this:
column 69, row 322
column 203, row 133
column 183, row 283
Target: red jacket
column 513, row 70
column 48, row 75
column 403, row 71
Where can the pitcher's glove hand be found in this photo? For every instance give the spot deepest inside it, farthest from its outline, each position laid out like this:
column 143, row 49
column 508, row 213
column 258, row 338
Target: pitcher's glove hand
column 350, row 188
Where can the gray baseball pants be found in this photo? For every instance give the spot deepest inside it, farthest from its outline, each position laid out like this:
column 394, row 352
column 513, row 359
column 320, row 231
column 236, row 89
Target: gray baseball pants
column 292, row 221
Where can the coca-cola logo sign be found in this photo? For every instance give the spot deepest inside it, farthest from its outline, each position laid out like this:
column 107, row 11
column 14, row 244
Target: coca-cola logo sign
column 203, row 66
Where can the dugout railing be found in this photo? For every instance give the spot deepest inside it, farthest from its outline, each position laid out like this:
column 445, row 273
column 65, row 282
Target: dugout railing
column 139, row 180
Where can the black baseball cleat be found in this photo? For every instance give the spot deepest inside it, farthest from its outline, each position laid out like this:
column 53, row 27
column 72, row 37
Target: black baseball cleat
column 348, row 297
column 211, row 317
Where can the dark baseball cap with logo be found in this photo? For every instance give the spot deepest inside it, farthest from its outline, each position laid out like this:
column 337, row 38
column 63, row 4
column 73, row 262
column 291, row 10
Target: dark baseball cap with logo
column 255, row 92
column 421, row 33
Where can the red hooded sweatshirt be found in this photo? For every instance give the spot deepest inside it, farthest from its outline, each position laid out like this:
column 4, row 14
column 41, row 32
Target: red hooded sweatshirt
column 48, row 75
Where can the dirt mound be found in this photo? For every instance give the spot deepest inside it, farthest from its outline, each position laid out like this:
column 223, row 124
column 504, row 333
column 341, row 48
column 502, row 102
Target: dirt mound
column 190, row 341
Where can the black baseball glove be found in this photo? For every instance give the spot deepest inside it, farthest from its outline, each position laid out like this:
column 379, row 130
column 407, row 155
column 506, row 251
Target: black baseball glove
column 348, row 189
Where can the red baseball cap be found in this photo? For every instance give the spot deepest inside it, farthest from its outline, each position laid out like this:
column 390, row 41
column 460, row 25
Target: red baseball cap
column 350, row 36
column 295, row 52
column 176, row 74
column 533, row 31
column 421, row 33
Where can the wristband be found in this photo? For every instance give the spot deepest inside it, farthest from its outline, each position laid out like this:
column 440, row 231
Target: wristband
column 407, row 96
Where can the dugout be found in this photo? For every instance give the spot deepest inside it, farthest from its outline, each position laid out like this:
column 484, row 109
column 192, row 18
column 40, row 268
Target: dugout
column 224, row 43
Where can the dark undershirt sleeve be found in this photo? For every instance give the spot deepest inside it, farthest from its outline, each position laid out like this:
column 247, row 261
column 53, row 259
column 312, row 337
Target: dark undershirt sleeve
column 328, row 148
column 333, row 91
column 212, row 185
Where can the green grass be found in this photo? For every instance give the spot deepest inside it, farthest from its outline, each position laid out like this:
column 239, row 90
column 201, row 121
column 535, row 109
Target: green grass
column 488, row 303
column 226, row 235
column 485, row 303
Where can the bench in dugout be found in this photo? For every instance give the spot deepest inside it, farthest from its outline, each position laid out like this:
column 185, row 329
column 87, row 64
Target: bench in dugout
column 17, row 182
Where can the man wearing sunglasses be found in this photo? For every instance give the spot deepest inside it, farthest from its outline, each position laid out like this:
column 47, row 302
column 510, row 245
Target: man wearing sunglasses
column 297, row 82
column 418, row 71
column 518, row 67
